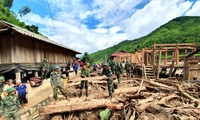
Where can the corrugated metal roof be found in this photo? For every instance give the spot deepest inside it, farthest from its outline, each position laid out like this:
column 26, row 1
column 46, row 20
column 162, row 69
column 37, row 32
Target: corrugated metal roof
column 36, row 36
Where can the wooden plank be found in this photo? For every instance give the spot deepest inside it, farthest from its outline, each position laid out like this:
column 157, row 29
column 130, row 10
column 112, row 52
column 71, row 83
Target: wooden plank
column 89, row 78
column 5, row 50
column 35, row 47
column 13, row 50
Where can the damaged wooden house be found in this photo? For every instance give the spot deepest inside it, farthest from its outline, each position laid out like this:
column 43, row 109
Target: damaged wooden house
column 22, row 52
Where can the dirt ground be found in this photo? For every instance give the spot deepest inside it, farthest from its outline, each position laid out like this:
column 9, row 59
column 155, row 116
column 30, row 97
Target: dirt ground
column 37, row 94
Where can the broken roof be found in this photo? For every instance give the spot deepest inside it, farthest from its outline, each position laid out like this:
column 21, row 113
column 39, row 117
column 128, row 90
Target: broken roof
column 34, row 35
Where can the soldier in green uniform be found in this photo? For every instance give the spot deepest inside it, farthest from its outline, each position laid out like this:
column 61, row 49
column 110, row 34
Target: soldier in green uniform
column 128, row 69
column 56, row 83
column 45, row 69
column 108, row 73
column 112, row 66
column 84, row 83
column 10, row 105
column 118, row 71
column 2, row 84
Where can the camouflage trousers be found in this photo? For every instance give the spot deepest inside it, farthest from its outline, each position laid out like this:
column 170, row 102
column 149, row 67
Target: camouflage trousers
column 55, row 92
column 128, row 73
column 44, row 74
column 84, row 84
column 110, row 87
column 11, row 116
column 113, row 69
column 118, row 78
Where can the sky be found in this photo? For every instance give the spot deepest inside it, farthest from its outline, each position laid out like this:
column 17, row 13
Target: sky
column 92, row 25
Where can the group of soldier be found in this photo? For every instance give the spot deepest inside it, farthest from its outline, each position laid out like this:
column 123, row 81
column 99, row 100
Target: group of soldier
column 108, row 69
column 10, row 103
column 118, row 68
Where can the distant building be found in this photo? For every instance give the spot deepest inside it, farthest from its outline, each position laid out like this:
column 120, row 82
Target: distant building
column 121, row 56
column 24, row 51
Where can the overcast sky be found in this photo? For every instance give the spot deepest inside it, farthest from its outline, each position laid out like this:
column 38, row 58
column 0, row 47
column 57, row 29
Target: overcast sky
column 92, row 25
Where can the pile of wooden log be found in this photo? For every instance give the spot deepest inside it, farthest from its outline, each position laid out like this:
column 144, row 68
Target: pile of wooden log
column 137, row 98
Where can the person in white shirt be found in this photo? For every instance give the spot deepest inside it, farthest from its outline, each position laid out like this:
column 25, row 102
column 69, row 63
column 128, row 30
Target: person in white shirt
column 8, row 85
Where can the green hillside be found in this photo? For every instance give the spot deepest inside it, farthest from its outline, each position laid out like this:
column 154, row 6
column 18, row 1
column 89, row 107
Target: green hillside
column 179, row 30
column 7, row 15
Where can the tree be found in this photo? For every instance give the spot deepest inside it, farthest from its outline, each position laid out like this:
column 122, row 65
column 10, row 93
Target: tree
column 32, row 28
column 7, row 3
column 86, row 57
column 24, row 10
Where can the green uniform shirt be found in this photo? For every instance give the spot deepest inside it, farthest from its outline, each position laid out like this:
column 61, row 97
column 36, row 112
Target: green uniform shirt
column 118, row 69
column 85, row 73
column 128, row 66
column 1, row 87
column 107, row 73
column 55, row 79
column 111, row 63
column 45, row 66
column 10, row 104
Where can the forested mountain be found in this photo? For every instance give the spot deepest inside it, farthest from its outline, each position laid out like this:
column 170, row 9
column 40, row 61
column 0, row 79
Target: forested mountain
column 179, row 30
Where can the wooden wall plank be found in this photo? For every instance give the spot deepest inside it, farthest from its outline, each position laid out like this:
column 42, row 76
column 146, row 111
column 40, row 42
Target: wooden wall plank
column 5, row 49
column 23, row 49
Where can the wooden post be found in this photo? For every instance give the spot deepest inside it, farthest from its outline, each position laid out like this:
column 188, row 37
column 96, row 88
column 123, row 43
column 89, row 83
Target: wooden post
column 154, row 54
column 177, row 55
column 166, row 57
column 194, row 48
column 158, row 64
column 18, row 75
column 144, row 71
column 185, row 70
column 146, row 58
column 143, row 56
column 36, row 74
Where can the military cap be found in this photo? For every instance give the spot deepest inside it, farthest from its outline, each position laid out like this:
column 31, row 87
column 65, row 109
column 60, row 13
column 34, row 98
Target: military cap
column 2, row 78
column 9, row 90
column 56, row 67
column 105, row 64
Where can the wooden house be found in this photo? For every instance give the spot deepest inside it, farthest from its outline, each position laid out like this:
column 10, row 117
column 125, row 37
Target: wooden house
column 121, row 56
column 22, row 50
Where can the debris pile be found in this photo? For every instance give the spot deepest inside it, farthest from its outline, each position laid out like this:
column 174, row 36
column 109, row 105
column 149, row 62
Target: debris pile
column 137, row 98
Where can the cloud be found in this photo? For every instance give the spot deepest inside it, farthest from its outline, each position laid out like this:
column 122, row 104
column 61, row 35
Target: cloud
column 195, row 10
column 153, row 15
column 118, row 20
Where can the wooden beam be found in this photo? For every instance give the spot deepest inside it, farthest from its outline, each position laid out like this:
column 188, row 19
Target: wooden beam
column 143, row 52
column 3, row 30
column 158, row 65
column 177, row 55
column 166, row 57
column 157, row 84
column 78, row 106
column 153, row 57
column 182, row 44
